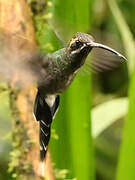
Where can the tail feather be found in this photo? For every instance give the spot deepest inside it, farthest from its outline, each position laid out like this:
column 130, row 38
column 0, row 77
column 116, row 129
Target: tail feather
column 44, row 114
column 42, row 111
column 44, row 140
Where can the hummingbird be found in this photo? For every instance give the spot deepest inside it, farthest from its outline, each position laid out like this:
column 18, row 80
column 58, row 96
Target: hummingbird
column 57, row 71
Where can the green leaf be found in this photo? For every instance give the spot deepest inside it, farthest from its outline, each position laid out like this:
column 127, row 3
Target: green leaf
column 79, row 128
column 71, row 16
column 74, row 149
column 126, row 34
column 101, row 120
column 126, row 166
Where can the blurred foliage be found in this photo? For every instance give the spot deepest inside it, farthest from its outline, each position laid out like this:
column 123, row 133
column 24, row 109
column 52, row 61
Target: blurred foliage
column 104, row 95
column 5, row 132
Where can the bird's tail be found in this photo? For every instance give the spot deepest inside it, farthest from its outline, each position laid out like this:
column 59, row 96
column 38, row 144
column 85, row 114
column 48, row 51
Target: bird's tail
column 44, row 136
column 44, row 110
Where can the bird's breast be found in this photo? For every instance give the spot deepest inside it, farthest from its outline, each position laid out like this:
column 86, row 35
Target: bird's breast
column 55, row 83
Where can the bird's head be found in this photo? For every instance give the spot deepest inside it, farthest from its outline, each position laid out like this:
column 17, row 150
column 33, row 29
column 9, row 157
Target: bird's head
column 80, row 46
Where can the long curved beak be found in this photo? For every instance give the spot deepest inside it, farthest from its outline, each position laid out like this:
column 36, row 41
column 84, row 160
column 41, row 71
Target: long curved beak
column 98, row 45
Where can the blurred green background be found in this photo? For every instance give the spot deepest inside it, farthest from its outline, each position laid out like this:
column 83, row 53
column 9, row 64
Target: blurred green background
column 93, row 132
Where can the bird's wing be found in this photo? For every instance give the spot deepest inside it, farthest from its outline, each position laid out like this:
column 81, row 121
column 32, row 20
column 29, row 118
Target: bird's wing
column 100, row 60
column 44, row 111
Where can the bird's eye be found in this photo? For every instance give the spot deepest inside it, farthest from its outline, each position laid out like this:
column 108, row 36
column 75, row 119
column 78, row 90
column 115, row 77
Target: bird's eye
column 77, row 44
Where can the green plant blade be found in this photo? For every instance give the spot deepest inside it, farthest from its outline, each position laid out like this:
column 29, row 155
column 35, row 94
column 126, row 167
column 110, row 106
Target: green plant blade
column 79, row 128
column 126, row 166
column 125, row 32
column 70, row 16
column 74, row 149
column 101, row 120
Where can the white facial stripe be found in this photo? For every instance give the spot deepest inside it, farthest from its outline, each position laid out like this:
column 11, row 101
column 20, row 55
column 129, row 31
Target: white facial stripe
column 73, row 41
column 77, row 50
